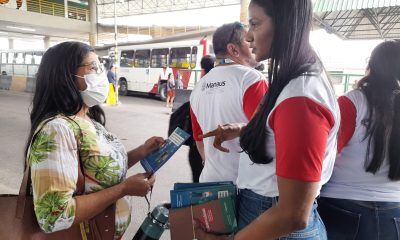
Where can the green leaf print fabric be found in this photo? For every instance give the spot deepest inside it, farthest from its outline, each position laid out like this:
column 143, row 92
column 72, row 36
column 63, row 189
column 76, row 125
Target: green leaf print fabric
column 54, row 165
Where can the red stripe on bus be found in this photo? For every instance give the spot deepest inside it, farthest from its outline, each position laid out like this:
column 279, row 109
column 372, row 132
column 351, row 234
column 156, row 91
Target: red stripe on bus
column 154, row 89
column 185, row 78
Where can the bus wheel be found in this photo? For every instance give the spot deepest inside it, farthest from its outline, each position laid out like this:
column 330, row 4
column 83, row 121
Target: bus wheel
column 163, row 92
column 123, row 88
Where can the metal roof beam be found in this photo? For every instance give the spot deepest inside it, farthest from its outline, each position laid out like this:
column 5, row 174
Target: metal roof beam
column 391, row 26
column 354, row 24
column 373, row 18
column 390, row 14
column 368, row 30
column 391, row 20
column 347, row 20
column 327, row 27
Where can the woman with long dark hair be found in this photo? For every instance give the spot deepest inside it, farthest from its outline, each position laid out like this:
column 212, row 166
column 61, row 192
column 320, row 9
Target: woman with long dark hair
column 362, row 198
column 291, row 140
column 67, row 133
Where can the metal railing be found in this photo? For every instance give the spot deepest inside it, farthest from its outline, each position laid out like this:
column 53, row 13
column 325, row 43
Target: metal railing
column 26, row 70
column 78, row 13
column 344, row 82
column 46, row 7
column 50, row 8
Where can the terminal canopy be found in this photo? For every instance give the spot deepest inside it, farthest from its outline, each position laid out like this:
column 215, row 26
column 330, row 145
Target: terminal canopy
column 359, row 19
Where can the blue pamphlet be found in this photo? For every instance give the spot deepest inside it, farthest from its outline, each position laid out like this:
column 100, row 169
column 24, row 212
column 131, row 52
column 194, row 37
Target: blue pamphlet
column 155, row 160
column 188, row 194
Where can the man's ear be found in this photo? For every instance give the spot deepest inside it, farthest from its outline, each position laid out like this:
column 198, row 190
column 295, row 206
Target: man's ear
column 232, row 49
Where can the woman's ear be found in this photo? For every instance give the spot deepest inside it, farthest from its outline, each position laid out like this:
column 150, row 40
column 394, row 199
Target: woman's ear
column 80, row 83
column 232, row 49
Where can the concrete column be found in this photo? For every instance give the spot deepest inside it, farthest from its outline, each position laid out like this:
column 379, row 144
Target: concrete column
column 93, row 23
column 46, row 41
column 244, row 13
column 66, row 8
column 10, row 43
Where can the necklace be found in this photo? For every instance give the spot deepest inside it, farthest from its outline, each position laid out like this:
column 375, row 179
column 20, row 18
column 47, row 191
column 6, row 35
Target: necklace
column 221, row 61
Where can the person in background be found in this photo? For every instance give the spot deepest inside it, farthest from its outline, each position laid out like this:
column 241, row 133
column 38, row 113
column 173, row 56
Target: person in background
column 163, row 77
column 178, row 83
column 170, row 90
column 165, row 73
column 111, row 99
column 67, row 132
column 290, row 143
column 207, row 63
column 111, row 76
column 230, row 92
column 362, row 198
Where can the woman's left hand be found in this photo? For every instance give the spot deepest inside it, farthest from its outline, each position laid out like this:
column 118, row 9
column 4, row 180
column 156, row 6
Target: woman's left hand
column 151, row 144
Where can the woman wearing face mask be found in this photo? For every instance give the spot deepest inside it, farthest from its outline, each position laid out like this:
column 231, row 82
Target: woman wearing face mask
column 67, row 133
column 291, row 141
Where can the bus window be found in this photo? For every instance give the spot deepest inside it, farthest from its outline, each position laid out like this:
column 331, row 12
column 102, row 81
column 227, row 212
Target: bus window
column 159, row 57
column 142, row 58
column 10, row 57
column 180, row 57
column 127, row 58
column 37, row 57
column 3, row 57
column 28, row 58
column 193, row 58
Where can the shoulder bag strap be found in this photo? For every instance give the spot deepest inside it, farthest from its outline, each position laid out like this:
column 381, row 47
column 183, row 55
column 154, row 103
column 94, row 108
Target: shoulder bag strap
column 24, row 188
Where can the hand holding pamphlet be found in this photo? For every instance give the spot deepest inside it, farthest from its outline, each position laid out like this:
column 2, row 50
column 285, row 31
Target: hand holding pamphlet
column 156, row 159
column 211, row 204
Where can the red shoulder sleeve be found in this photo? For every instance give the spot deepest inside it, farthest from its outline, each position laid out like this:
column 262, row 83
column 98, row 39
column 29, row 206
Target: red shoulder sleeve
column 301, row 127
column 253, row 96
column 348, row 114
column 195, row 127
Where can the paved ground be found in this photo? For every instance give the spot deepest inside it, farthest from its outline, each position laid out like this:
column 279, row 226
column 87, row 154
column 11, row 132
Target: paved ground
column 134, row 121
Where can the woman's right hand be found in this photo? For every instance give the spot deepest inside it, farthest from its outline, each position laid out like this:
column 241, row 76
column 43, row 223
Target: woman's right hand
column 224, row 133
column 139, row 184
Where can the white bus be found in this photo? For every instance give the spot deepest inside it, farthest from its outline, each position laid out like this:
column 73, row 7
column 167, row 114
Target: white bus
column 138, row 67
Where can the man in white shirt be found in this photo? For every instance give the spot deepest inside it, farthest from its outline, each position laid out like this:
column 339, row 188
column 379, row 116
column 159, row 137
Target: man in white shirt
column 229, row 93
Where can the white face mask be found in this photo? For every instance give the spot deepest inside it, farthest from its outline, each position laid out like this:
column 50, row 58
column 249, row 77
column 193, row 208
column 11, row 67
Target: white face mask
column 97, row 88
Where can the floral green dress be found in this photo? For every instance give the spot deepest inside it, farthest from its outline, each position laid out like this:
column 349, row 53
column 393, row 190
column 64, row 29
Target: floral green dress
column 54, row 170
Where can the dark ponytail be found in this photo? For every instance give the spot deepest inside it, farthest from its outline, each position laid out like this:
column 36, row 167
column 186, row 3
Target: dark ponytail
column 381, row 88
column 291, row 56
column 394, row 149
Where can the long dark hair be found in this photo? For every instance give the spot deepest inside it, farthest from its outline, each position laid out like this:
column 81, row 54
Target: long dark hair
column 56, row 91
column 291, row 56
column 382, row 90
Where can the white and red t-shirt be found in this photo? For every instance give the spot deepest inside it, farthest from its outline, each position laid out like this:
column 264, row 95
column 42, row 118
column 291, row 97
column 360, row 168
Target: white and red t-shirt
column 349, row 179
column 301, row 137
column 165, row 72
column 227, row 94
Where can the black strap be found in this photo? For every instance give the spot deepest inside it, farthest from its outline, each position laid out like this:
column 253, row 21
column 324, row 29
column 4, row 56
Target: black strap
column 148, row 199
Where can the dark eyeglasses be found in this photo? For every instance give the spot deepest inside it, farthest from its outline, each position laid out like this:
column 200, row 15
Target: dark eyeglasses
column 96, row 66
column 236, row 25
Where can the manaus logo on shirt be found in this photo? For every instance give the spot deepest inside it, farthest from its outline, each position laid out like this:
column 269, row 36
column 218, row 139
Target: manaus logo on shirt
column 212, row 85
